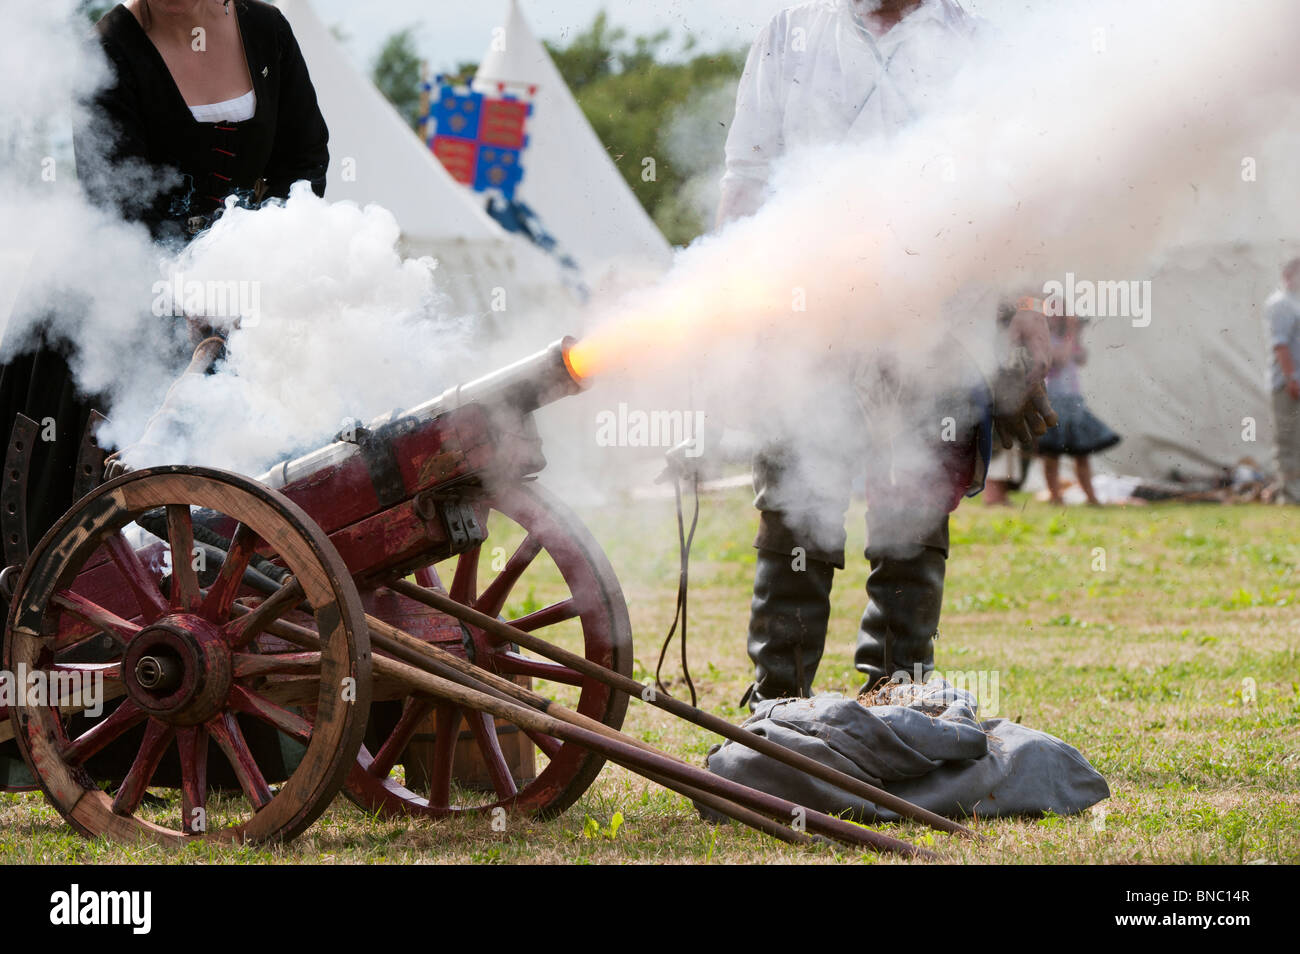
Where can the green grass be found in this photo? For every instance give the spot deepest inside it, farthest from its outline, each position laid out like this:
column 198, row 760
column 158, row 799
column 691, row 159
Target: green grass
column 1175, row 669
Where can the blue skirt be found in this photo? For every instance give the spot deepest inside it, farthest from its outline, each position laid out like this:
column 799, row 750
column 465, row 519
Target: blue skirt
column 1078, row 431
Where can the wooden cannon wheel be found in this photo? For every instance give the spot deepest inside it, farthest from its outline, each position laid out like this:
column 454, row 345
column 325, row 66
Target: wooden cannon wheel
column 190, row 675
column 535, row 544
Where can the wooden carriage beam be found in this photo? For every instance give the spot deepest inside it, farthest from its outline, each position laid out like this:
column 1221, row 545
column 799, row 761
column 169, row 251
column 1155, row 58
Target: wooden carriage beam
column 507, row 633
column 474, row 688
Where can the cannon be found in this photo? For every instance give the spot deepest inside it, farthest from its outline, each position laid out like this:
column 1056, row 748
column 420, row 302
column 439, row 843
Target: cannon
column 354, row 620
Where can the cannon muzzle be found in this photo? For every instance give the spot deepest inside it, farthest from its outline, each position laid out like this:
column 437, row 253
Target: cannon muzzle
column 523, row 387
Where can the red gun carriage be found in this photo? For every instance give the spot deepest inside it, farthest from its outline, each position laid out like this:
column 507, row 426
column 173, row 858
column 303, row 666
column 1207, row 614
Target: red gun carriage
column 275, row 622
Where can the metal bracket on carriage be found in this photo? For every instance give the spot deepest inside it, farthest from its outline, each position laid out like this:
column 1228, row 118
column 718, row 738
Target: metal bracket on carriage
column 9, row 581
column 13, row 494
column 459, row 518
column 90, row 459
column 380, row 456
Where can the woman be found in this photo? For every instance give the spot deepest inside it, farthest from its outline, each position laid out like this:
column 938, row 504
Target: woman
column 1007, row 465
column 214, row 91
column 206, row 99
column 1078, row 432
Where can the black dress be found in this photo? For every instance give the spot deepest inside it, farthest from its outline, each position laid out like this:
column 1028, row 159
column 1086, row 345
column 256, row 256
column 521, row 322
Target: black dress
column 143, row 154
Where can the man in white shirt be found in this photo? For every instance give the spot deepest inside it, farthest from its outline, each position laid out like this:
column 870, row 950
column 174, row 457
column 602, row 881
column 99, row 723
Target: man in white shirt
column 830, row 71
column 1282, row 313
column 825, row 72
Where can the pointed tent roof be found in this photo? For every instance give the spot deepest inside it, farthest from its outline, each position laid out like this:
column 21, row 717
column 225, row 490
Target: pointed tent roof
column 388, row 165
column 569, row 179
column 392, row 167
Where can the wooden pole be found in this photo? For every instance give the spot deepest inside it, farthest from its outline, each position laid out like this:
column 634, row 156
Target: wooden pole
column 507, row 633
column 405, row 646
column 473, row 691
column 674, row 774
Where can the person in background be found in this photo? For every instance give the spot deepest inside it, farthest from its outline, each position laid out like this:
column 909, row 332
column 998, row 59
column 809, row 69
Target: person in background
column 1078, row 432
column 1282, row 314
column 1008, row 465
column 826, row 72
column 1004, row 476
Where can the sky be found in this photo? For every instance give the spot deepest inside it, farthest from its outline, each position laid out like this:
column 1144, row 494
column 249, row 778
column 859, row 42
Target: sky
column 453, row 31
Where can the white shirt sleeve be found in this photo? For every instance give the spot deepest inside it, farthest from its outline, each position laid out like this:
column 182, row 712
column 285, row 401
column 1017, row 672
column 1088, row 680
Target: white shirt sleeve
column 755, row 139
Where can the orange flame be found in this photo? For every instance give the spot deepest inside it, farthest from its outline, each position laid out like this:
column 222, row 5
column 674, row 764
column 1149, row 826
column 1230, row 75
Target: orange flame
column 581, row 361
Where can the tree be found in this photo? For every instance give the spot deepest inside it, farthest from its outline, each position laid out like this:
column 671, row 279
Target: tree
column 590, row 55
column 643, row 100
column 463, row 73
column 397, row 74
column 94, row 10
column 636, row 98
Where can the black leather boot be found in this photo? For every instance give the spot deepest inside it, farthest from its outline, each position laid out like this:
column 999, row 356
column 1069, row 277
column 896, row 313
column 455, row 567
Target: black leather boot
column 787, row 625
column 905, row 595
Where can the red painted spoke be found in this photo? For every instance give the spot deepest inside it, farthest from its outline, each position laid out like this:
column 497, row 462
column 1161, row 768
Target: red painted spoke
column 262, row 708
column 427, row 577
column 444, row 755
column 157, row 737
column 547, row 616
column 124, row 717
column 247, row 665
column 396, row 743
column 73, row 632
column 240, row 632
column 484, row 728
column 192, row 744
column 216, row 606
column 549, row 745
column 227, row 734
column 93, row 614
column 185, row 594
column 498, row 591
column 138, row 577
column 513, row 664
column 464, row 585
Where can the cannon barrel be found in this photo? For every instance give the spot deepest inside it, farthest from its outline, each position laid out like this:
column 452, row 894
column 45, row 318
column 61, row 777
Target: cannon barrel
column 519, row 388
column 524, row 386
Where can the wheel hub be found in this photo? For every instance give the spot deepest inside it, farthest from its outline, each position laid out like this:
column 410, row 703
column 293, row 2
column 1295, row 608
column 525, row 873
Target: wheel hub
column 159, row 673
column 178, row 669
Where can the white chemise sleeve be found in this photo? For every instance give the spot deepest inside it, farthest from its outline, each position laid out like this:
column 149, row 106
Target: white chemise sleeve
column 755, row 139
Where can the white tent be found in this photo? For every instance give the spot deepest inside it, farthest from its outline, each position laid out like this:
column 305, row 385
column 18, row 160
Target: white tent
column 569, row 180
column 376, row 158
column 1188, row 390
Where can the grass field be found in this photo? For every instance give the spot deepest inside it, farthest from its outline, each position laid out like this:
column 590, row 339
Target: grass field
column 1162, row 641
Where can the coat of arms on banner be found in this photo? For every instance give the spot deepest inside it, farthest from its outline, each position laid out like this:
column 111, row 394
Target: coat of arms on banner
column 480, row 139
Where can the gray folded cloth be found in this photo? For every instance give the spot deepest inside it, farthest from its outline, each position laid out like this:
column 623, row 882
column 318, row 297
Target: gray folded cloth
column 925, row 745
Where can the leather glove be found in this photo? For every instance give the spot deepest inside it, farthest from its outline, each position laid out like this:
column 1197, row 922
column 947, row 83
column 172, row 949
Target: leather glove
column 1021, row 410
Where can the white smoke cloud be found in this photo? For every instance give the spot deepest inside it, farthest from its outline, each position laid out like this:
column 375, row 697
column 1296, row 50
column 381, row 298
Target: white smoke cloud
column 1063, row 157
column 343, row 327
column 336, row 326
column 1083, row 137
column 72, row 274
column 694, row 138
